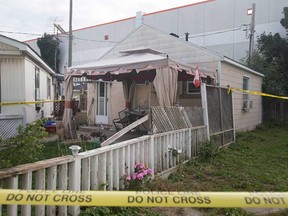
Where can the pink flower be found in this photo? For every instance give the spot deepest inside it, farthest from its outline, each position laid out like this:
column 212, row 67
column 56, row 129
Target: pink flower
column 149, row 171
column 142, row 166
column 140, row 176
column 134, row 176
column 128, row 178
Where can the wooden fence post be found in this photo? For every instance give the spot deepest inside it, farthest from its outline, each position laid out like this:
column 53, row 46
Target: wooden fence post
column 205, row 108
column 74, row 182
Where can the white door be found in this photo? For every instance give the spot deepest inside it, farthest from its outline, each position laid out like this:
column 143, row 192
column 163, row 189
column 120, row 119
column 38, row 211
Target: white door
column 102, row 103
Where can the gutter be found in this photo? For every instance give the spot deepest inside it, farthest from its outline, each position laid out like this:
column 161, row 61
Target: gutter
column 229, row 61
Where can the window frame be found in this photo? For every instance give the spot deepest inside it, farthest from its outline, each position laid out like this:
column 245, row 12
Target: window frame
column 48, row 88
column 37, row 84
column 246, row 96
column 198, row 90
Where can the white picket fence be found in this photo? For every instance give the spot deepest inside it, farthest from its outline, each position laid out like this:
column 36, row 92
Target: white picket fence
column 100, row 169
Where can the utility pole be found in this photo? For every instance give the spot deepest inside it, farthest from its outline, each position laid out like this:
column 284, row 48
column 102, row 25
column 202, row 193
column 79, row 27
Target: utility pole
column 252, row 30
column 70, row 35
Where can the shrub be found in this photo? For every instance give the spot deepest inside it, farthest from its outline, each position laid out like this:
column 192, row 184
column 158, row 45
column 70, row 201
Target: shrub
column 26, row 147
column 207, row 151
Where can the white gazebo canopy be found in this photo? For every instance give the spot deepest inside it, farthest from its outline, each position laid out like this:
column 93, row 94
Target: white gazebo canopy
column 139, row 60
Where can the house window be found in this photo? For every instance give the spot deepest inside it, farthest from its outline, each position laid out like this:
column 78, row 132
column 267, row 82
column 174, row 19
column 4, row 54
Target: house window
column 191, row 89
column 247, row 103
column 37, row 84
column 48, row 88
column 246, row 86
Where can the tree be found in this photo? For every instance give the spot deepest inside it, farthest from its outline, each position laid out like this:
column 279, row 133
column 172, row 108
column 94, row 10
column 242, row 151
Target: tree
column 284, row 21
column 49, row 49
column 271, row 58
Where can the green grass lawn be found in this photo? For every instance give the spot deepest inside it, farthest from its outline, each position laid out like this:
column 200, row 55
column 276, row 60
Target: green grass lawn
column 258, row 161
column 58, row 149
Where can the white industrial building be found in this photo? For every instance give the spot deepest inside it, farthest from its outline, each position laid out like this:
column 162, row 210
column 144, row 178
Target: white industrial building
column 219, row 25
column 222, row 27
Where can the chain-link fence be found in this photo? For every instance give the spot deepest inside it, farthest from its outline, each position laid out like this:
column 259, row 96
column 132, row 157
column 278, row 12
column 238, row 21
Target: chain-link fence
column 220, row 115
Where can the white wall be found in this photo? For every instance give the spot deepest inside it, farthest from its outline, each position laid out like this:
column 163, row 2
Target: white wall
column 214, row 24
column 12, row 85
column 30, row 91
column 18, row 85
column 233, row 77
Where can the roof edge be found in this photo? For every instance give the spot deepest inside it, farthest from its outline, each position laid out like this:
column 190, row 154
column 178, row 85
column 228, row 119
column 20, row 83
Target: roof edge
column 179, row 7
column 25, row 48
column 232, row 62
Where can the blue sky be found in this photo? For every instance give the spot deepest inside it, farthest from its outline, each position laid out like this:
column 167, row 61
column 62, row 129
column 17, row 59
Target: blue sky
column 37, row 16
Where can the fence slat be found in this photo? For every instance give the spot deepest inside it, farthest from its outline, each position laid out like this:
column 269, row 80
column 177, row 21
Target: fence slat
column 86, row 174
column 74, row 181
column 94, row 173
column 132, row 156
column 115, row 169
column 63, row 183
column 122, row 167
column 12, row 184
column 51, row 185
column 40, row 185
column 110, row 170
column 151, row 155
column 102, row 162
column 27, row 185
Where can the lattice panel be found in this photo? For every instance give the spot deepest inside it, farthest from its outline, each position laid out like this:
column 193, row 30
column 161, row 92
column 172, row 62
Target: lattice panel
column 59, row 109
column 174, row 118
column 9, row 125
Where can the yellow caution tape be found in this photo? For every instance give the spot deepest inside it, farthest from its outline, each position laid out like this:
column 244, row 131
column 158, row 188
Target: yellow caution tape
column 146, row 198
column 256, row 93
column 31, row 102
column 27, row 102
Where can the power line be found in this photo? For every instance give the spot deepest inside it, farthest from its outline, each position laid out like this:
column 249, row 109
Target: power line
column 218, row 32
column 108, row 41
column 96, row 40
column 25, row 33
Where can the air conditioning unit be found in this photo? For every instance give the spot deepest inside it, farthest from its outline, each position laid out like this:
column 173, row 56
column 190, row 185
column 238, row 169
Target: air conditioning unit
column 247, row 105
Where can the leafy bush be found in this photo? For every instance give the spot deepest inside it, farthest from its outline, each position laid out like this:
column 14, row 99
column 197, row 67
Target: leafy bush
column 26, row 147
column 207, row 151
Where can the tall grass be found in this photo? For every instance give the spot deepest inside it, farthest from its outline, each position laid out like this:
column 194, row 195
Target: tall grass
column 258, row 161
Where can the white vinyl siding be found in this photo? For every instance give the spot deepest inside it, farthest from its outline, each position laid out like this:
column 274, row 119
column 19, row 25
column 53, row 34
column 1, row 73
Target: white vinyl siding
column 12, row 85
column 233, row 77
